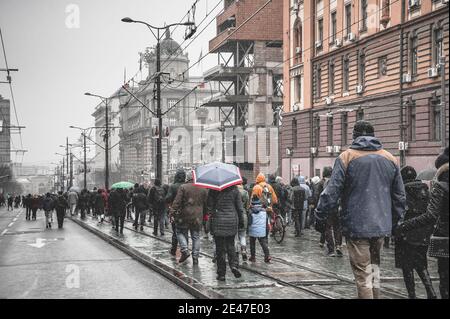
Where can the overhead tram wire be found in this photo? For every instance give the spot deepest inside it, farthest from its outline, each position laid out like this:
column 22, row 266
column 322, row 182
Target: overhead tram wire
column 11, row 90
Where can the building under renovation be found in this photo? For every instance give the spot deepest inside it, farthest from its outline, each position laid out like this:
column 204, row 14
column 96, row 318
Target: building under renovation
column 249, row 74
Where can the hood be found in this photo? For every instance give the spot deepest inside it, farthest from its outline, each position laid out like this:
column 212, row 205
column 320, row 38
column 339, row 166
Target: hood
column 256, row 209
column 180, row 177
column 442, row 173
column 301, row 180
column 260, row 178
column 366, row 143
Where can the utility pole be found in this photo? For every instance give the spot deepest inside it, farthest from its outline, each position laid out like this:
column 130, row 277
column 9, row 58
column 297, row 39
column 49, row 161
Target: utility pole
column 67, row 161
column 84, row 160
column 106, row 145
column 71, row 171
column 158, row 110
column 443, row 103
column 63, row 181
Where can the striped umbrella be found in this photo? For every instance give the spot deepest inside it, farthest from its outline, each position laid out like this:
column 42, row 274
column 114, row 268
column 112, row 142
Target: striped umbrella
column 217, row 176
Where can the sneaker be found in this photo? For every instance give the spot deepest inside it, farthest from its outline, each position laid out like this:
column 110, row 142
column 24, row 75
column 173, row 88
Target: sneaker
column 142, row 228
column 162, row 234
column 173, row 251
column 339, row 252
column 331, row 253
column 220, row 277
column 252, row 259
column 267, row 259
column 155, row 233
column 244, row 256
column 184, row 256
column 321, row 245
column 236, row 273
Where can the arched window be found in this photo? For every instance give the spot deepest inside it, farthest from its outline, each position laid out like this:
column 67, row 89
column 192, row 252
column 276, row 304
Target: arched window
column 298, row 32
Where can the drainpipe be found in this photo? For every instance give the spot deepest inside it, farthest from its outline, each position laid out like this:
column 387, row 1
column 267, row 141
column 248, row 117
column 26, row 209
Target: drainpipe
column 402, row 134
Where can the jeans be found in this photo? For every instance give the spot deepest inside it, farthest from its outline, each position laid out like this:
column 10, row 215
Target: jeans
column 289, row 216
column 333, row 227
column 443, row 277
column 28, row 213
column 263, row 241
column 158, row 221
column 183, row 239
column 119, row 221
column 297, row 215
column 139, row 218
column 60, row 216
column 365, row 259
column 34, row 210
column 225, row 248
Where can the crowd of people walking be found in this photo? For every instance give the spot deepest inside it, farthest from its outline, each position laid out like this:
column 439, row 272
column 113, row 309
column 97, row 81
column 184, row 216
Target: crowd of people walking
column 364, row 199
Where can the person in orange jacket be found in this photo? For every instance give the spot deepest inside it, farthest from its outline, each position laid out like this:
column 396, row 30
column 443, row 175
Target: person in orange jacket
column 264, row 192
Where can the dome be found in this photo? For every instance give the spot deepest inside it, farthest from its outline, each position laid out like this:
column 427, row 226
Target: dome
column 169, row 46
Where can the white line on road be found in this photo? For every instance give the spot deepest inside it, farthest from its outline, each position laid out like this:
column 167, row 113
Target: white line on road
column 4, row 232
column 14, row 219
column 10, row 224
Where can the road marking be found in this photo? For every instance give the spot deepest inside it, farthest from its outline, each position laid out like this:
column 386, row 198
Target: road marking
column 10, row 224
column 4, row 232
column 15, row 219
column 39, row 243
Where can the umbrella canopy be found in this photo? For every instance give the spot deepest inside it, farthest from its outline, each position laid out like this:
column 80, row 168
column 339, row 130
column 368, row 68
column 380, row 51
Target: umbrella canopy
column 122, row 185
column 217, row 176
column 75, row 189
column 427, row 174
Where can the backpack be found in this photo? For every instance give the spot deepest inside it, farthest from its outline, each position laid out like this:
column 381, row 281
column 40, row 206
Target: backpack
column 298, row 198
column 159, row 195
column 266, row 198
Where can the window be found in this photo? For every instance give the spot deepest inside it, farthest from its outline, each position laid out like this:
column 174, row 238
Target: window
column 437, row 44
column 435, row 116
column 344, row 128
column 330, row 77
column 318, row 81
column 333, row 27
column 298, row 88
column 348, row 18
column 298, row 41
column 345, row 73
column 413, row 45
column 320, row 31
column 294, row 133
column 360, row 114
column 361, row 67
column 411, row 111
column 382, row 66
column 363, row 15
column 330, row 130
column 316, row 132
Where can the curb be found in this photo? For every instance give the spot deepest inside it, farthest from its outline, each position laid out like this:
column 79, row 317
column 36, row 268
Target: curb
column 191, row 285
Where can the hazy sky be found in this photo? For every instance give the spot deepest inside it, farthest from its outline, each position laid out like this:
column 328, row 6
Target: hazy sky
column 59, row 59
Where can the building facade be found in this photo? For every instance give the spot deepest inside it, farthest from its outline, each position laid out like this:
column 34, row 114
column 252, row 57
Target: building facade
column 5, row 133
column 347, row 60
column 249, row 73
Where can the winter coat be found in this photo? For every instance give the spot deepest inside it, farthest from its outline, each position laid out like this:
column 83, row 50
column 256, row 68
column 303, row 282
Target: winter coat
column 245, row 204
column 297, row 192
column 189, row 206
column 367, row 180
column 61, row 203
column 117, row 203
column 437, row 209
column 72, row 198
column 180, row 179
column 48, row 204
column 259, row 187
column 140, row 201
column 99, row 202
column 35, row 203
column 154, row 194
column 308, row 192
column 227, row 212
column 317, row 189
column 83, row 200
column 258, row 222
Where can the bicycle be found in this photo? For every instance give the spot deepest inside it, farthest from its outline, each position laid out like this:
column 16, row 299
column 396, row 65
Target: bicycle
column 278, row 225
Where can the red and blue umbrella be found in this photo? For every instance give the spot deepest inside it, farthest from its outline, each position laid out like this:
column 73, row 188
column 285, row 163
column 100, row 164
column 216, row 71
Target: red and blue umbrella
column 217, row 176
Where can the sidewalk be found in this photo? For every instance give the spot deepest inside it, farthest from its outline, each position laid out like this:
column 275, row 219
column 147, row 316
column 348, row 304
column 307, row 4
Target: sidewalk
column 299, row 269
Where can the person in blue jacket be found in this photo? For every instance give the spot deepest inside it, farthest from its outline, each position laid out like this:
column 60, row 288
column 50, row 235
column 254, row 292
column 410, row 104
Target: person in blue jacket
column 258, row 228
column 367, row 180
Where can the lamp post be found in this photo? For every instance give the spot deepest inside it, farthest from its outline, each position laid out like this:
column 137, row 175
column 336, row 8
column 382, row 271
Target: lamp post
column 83, row 133
column 105, row 100
column 158, row 86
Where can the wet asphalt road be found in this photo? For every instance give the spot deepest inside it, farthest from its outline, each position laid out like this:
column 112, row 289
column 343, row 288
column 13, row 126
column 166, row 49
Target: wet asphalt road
column 70, row 263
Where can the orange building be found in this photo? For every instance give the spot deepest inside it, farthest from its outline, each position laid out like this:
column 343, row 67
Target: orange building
column 378, row 60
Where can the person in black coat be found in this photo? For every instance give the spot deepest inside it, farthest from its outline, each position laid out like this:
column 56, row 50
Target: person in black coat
column 411, row 249
column 117, row 204
column 141, row 206
column 437, row 216
column 227, row 216
column 157, row 202
column 61, row 205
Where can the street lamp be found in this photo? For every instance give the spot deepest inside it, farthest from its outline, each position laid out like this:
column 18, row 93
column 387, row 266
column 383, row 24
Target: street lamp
column 84, row 153
column 158, row 85
column 62, row 171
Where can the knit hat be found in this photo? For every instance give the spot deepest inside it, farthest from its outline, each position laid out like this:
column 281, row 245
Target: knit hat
column 363, row 128
column 327, row 171
column 255, row 201
column 442, row 158
column 408, row 174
